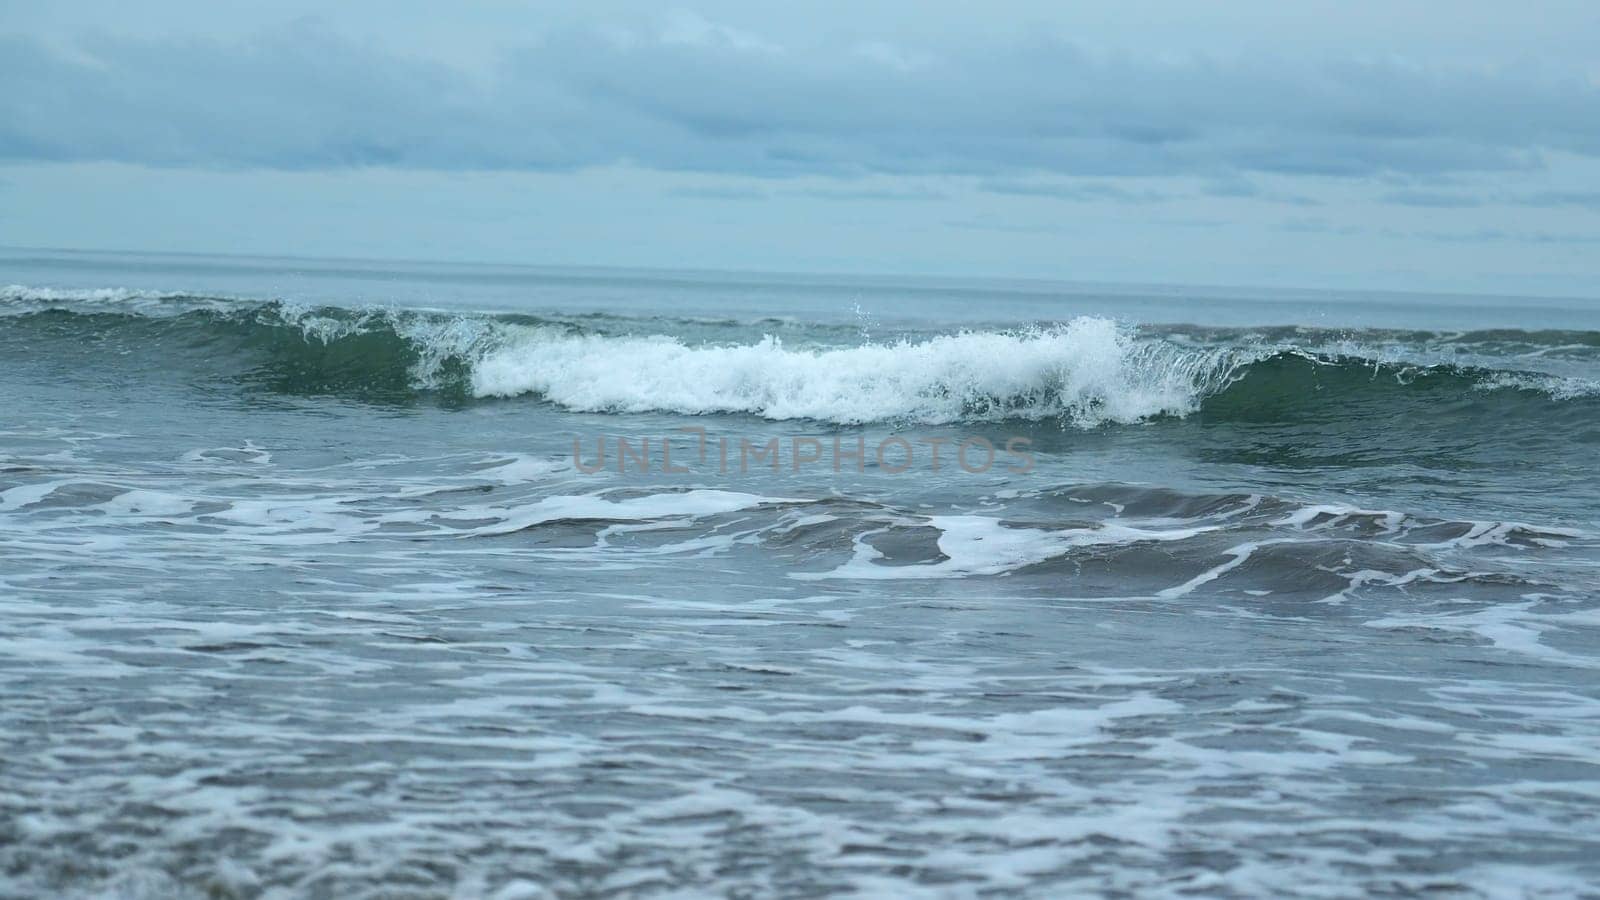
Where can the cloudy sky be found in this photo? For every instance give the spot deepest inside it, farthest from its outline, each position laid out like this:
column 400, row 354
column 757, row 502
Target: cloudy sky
column 1400, row 144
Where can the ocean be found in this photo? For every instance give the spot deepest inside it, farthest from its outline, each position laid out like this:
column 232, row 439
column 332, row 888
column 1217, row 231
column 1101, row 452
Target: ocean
column 359, row 579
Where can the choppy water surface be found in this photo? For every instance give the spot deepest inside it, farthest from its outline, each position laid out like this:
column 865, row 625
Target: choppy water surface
column 302, row 592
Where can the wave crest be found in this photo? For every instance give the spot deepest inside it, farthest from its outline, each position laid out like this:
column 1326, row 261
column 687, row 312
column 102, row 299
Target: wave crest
column 1087, row 371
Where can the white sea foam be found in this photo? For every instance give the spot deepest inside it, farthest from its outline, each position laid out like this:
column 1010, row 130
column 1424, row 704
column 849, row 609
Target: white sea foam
column 1513, row 627
column 1000, row 736
column 21, row 299
column 977, row 545
column 1237, row 556
column 1090, row 370
column 689, row 504
column 436, row 339
column 520, row 468
column 25, row 293
column 27, row 494
column 1557, row 387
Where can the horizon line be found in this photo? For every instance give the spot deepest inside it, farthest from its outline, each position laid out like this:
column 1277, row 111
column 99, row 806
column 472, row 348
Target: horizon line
column 881, row 277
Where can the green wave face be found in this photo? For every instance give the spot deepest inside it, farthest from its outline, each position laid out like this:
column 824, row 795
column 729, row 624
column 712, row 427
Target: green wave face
column 1084, row 373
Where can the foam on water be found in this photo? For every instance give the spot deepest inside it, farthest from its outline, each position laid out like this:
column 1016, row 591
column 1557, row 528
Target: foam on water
column 1090, row 370
column 979, row 545
column 265, row 635
column 20, row 299
column 1556, row 387
column 478, row 673
column 1087, row 371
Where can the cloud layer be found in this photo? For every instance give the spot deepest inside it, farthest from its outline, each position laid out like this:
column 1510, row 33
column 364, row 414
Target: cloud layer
column 697, row 96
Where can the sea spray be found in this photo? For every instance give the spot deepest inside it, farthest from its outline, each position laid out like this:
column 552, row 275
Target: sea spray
column 1088, row 371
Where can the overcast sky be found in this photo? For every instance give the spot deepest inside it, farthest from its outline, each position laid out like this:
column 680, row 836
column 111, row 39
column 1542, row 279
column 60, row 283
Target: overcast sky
column 1407, row 145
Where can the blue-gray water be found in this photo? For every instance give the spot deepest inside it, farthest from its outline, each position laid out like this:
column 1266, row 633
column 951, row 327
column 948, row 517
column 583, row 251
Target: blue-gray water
column 302, row 592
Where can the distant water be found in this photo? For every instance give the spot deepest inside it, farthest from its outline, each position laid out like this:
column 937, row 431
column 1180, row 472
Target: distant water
column 304, row 590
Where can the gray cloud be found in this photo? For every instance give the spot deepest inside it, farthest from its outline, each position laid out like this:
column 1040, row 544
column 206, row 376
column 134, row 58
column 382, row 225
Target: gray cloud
column 1498, row 235
column 1318, row 225
column 1085, row 192
column 1540, row 199
column 1432, row 199
column 719, row 193
column 1581, row 199
column 1003, row 227
column 865, row 193
column 1238, row 187
column 702, row 97
column 732, row 192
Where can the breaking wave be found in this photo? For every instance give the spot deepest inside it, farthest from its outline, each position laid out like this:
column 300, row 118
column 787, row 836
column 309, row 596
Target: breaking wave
column 1085, row 372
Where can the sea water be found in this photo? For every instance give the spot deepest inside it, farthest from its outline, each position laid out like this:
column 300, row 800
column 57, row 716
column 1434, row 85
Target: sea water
column 356, row 579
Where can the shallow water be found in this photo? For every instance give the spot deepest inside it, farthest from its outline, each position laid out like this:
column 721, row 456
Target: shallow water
column 303, row 590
